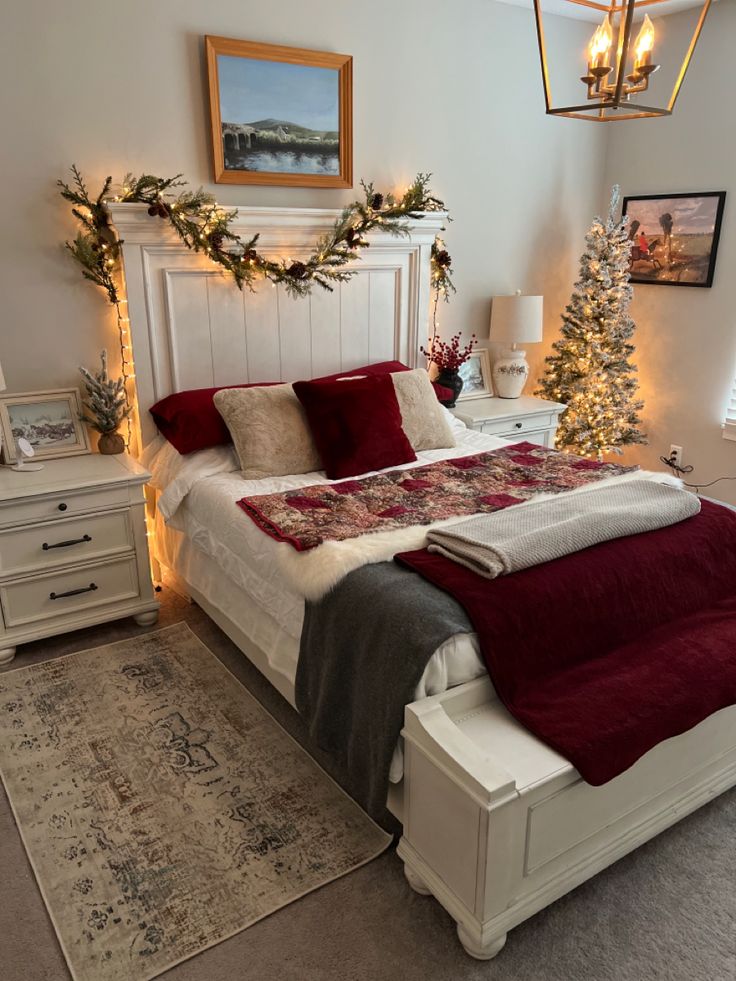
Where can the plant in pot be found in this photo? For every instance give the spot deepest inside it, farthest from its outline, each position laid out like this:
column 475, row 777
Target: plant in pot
column 107, row 406
column 448, row 357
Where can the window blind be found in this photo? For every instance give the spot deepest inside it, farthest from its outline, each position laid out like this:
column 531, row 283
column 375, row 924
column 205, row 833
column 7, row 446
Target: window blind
column 729, row 425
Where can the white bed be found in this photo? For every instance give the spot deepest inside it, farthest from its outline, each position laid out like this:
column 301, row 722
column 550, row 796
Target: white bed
column 200, row 529
column 495, row 824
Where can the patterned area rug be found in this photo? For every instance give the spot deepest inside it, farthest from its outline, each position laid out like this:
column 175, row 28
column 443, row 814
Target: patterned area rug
column 163, row 810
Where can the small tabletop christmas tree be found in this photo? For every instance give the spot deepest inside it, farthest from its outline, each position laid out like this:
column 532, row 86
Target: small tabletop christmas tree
column 590, row 370
column 107, row 406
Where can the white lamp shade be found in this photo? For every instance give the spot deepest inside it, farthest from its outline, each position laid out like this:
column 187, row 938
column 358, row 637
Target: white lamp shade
column 517, row 319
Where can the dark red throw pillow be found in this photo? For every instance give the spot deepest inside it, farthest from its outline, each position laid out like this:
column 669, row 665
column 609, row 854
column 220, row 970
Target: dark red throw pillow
column 190, row 421
column 390, row 367
column 356, row 424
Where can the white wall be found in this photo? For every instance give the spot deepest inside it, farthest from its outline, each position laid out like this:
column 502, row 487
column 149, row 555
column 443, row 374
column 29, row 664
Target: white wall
column 686, row 338
column 448, row 87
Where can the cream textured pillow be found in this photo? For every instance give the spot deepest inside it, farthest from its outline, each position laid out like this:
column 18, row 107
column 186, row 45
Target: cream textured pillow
column 269, row 430
column 422, row 418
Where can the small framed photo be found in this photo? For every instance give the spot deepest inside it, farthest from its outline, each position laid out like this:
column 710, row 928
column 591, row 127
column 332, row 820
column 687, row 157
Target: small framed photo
column 48, row 420
column 674, row 237
column 280, row 115
column 476, row 376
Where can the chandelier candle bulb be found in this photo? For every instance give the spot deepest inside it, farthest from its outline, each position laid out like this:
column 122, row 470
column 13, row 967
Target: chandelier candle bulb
column 645, row 46
column 600, row 45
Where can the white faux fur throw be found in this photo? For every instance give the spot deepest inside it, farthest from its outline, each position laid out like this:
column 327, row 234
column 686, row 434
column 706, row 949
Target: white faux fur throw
column 314, row 573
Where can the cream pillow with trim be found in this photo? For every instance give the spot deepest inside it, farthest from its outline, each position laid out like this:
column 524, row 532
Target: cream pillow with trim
column 270, row 431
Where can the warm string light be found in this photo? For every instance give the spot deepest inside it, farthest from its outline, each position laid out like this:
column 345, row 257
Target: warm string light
column 442, row 285
column 127, row 368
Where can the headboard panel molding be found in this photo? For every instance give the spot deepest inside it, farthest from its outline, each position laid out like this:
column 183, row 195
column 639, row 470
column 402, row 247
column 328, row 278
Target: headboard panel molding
column 191, row 327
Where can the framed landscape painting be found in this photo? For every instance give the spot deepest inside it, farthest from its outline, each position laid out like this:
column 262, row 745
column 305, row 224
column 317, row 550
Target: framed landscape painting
column 280, row 115
column 674, row 237
column 50, row 421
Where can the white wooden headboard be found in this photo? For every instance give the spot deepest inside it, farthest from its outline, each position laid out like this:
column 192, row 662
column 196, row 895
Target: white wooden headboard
column 191, row 327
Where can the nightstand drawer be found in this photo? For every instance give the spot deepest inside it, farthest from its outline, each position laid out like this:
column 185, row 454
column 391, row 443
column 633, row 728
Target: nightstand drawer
column 61, row 595
column 23, row 512
column 514, row 427
column 64, row 542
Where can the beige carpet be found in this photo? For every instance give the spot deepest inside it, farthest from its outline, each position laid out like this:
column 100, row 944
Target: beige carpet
column 667, row 911
column 162, row 809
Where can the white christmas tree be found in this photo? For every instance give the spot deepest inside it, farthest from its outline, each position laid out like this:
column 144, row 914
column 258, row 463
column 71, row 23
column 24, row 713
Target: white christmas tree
column 590, row 370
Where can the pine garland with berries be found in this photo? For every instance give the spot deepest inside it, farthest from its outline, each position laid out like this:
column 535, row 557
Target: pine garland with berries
column 204, row 226
column 590, row 369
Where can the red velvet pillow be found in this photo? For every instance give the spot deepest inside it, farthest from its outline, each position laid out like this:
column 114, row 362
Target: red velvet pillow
column 382, row 368
column 190, row 421
column 386, row 368
column 356, row 425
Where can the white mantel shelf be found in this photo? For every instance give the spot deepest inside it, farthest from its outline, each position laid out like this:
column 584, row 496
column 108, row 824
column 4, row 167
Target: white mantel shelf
column 275, row 226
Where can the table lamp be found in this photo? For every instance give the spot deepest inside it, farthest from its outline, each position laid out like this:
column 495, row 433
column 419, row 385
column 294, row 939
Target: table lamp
column 515, row 320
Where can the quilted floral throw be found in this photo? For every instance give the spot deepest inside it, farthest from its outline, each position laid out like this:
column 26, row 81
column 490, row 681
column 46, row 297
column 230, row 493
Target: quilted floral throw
column 466, row 485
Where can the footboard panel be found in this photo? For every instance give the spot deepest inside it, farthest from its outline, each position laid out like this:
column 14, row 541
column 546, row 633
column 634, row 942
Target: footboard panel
column 497, row 825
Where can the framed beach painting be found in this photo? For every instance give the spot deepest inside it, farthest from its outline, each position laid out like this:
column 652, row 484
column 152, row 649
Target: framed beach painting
column 476, row 376
column 48, row 420
column 674, row 237
column 280, row 115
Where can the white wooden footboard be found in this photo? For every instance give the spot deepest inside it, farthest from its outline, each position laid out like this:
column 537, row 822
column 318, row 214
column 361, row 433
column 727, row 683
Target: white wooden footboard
column 497, row 825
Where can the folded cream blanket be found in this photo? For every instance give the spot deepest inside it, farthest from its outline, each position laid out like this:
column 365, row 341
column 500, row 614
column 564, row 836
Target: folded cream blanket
column 520, row 537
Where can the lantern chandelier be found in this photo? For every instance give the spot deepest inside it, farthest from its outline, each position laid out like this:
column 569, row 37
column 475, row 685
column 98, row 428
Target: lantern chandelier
column 620, row 61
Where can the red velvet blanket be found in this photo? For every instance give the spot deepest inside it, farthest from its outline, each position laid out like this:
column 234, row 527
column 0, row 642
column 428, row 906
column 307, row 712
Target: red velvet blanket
column 483, row 482
column 605, row 653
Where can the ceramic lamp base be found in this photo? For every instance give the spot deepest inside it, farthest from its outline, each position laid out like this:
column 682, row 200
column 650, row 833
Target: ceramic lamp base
column 510, row 373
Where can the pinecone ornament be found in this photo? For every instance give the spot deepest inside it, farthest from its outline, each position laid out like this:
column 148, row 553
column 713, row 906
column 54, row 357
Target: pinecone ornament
column 297, row 270
column 159, row 208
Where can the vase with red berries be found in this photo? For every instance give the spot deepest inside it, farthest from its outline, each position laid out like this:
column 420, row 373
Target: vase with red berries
column 448, row 356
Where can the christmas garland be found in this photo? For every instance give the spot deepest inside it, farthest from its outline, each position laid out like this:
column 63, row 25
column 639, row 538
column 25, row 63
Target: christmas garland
column 204, row 226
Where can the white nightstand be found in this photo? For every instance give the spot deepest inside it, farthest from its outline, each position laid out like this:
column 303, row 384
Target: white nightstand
column 527, row 417
column 73, row 548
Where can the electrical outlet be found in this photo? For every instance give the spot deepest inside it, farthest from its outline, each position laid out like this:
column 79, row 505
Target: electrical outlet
column 676, row 455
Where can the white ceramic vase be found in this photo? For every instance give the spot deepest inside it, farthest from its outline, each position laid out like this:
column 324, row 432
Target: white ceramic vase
column 510, row 373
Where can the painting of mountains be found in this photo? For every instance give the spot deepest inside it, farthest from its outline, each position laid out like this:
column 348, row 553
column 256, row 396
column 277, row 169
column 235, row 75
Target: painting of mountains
column 279, row 120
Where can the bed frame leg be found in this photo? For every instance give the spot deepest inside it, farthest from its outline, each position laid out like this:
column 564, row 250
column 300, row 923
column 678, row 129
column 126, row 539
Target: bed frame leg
column 473, row 946
column 6, row 655
column 416, row 881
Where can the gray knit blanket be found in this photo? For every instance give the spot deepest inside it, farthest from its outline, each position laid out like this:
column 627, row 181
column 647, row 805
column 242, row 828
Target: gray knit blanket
column 520, row 537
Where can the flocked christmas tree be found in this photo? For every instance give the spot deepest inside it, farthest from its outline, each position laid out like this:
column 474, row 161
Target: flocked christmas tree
column 590, row 370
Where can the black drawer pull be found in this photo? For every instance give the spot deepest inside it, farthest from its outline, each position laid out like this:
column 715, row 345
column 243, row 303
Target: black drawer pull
column 63, row 507
column 518, row 425
column 72, row 541
column 74, row 592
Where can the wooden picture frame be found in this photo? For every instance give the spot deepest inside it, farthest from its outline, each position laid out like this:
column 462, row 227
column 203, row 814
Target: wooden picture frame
column 666, row 256
column 36, row 415
column 285, row 156
column 476, row 376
